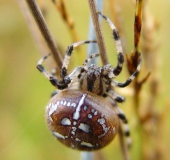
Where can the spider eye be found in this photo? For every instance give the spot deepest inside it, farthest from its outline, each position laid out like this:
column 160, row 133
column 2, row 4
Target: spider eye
column 81, row 120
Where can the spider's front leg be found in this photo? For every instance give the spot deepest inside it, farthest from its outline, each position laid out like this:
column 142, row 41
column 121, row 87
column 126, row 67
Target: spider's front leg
column 54, row 81
column 65, row 80
column 68, row 54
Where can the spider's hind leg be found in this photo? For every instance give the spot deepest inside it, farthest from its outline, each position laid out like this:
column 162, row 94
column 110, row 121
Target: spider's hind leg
column 123, row 121
column 126, row 129
column 115, row 96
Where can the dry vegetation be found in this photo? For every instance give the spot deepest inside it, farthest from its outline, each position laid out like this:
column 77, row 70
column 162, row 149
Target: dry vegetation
column 24, row 92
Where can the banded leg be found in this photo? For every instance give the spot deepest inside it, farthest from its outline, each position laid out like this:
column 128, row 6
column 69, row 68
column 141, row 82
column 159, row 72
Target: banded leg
column 42, row 69
column 115, row 96
column 126, row 129
column 54, row 93
column 116, row 71
column 131, row 78
column 59, row 84
column 54, row 71
column 73, row 76
column 68, row 55
column 91, row 56
column 124, row 121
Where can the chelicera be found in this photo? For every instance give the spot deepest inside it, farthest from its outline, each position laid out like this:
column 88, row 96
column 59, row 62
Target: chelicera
column 82, row 114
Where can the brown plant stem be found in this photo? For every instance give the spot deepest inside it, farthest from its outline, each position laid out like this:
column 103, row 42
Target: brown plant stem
column 99, row 36
column 137, row 24
column 135, row 53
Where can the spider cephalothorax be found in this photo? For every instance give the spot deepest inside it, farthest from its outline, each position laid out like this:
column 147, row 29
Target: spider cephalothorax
column 80, row 115
column 93, row 80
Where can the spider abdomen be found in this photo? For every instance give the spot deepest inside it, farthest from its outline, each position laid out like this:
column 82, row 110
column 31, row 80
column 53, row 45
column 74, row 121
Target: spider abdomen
column 81, row 120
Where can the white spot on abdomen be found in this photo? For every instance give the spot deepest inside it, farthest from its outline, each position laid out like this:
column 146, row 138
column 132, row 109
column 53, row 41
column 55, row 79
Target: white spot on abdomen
column 101, row 121
column 52, row 108
column 73, row 132
column 95, row 113
column 84, row 127
column 104, row 127
column 89, row 116
column 58, row 135
column 86, row 144
column 78, row 140
column 73, row 104
column 65, row 122
column 68, row 104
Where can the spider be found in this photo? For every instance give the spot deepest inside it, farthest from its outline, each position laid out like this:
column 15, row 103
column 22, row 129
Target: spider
column 83, row 113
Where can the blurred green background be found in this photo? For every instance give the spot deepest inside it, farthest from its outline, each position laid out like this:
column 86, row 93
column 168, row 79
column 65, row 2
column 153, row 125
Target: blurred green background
column 24, row 92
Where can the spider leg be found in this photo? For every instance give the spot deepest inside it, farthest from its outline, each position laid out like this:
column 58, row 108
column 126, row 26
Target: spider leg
column 49, row 76
column 62, row 84
column 91, row 56
column 68, row 53
column 54, row 93
column 116, row 71
column 77, row 73
column 115, row 96
column 126, row 129
column 123, row 119
column 54, row 71
column 42, row 69
column 131, row 78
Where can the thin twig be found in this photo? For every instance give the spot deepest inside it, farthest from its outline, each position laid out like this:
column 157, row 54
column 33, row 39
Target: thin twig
column 93, row 48
column 138, row 24
column 99, row 36
column 45, row 31
column 135, row 55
